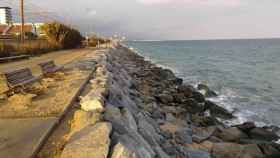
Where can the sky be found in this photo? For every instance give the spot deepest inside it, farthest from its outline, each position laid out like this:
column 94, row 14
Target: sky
column 170, row 19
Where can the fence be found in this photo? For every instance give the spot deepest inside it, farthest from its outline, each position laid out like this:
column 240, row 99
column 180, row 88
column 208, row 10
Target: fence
column 13, row 47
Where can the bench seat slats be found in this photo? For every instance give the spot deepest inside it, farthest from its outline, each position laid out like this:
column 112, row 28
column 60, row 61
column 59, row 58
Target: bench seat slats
column 27, row 81
column 49, row 67
column 19, row 77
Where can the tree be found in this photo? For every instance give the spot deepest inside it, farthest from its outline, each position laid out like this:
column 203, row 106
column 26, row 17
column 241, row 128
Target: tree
column 61, row 35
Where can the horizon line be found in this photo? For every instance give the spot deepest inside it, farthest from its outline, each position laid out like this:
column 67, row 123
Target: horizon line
column 210, row 39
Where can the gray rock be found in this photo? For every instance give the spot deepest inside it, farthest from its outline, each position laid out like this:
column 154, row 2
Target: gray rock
column 218, row 111
column 156, row 114
column 200, row 133
column 269, row 150
column 170, row 118
column 166, row 74
column 183, row 136
column 169, row 149
column 232, row 134
column 207, row 90
column 198, row 97
column 187, row 90
column 179, row 97
column 149, row 132
column 172, row 109
column 161, row 153
column 166, row 134
column 191, row 105
column 232, row 150
column 246, row 127
column 92, row 141
column 263, row 134
column 197, row 154
column 164, row 98
column 122, row 120
column 127, row 147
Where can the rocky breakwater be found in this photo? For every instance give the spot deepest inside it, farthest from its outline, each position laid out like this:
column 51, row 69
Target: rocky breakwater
column 134, row 109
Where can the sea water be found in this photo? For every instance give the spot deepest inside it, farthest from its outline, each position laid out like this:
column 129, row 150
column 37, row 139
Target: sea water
column 245, row 73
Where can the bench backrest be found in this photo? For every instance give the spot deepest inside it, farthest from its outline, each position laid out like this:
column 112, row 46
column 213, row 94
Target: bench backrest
column 18, row 76
column 48, row 65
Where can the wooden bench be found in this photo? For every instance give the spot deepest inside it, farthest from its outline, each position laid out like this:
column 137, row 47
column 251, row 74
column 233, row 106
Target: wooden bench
column 49, row 67
column 20, row 78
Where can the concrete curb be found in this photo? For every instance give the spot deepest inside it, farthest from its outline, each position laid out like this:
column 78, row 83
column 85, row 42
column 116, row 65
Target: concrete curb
column 61, row 116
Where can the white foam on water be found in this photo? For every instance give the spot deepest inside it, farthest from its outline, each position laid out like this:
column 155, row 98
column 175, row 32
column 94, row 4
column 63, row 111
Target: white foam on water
column 226, row 95
column 242, row 116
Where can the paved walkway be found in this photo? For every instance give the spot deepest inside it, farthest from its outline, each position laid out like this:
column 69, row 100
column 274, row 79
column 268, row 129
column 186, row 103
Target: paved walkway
column 19, row 138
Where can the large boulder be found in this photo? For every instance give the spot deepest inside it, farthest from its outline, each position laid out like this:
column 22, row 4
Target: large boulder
column 94, row 103
column 191, row 105
column 206, row 90
column 126, row 147
column 270, row 150
column 164, row 98
column 121, row 119
column 179, row 97
column 232, row 134
column 183, row 136
column 246, row 127
column 190, row 153
column 263, row 134
column 232, row 150
column 218, row 111
column 202, row 133
column 204, row 120
column 92, row 141
column 187, row 90
column 198, row 154
column 198, row 97
column 205, row 146
column 148, row 131
column 82, row 119
column 166, row 74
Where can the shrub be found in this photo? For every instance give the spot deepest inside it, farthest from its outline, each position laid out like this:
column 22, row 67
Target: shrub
column 93, row 41
column 6, row 50
column 30, row 35
column 61, row 35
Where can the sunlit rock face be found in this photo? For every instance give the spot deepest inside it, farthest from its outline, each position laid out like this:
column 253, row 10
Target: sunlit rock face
column 92, row 141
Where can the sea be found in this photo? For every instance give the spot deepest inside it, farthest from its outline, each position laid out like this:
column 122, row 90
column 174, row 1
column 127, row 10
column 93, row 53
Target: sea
column 245, row 73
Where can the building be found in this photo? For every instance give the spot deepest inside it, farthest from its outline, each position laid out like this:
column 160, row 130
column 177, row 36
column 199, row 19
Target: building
column 6, row 16
column 8, row 27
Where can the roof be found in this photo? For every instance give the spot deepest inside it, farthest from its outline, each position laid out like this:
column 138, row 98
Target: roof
column 16, row 28
column 2, row 28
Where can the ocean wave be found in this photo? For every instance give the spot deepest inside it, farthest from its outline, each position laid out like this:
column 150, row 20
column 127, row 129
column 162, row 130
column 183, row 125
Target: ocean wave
column 229, row 98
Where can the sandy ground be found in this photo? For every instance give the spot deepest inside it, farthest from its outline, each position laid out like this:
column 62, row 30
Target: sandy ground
column 58, row 139
column 50, row 96
column 60, row 58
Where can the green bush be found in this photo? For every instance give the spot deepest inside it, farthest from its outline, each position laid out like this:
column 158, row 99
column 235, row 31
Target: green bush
column 61, row 35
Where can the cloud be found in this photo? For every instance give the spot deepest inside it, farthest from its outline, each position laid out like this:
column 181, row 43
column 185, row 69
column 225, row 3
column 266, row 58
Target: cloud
column 232, row 3
column 91, row 12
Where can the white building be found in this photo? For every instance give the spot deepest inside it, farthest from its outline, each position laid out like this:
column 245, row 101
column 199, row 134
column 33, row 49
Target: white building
column 5, row 15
